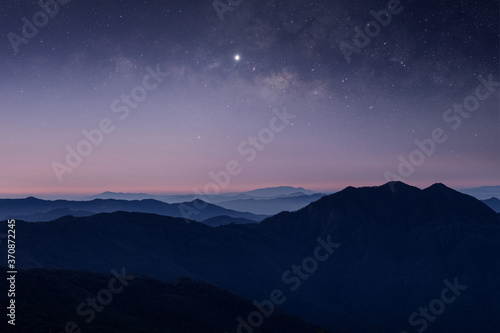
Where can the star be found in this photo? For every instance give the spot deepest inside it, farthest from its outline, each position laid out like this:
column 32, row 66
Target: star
column 237, row 57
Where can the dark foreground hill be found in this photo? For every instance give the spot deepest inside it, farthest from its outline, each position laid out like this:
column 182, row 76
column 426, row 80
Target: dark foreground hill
column 51, row 300
column 361, row 260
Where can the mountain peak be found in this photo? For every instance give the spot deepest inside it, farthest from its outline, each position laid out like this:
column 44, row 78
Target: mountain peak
column 398, row 186
column 394, row 205
column 199, row 201
column 394, row 187
column 440, row 188
column 31, row 198
column 277, row 191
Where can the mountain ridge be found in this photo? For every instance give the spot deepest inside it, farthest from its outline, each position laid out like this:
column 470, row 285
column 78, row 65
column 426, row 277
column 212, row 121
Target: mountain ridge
column 187, row 305
column 35, row 208
column 394, row 248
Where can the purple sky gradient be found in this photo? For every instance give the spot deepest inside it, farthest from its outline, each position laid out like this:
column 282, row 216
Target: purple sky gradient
column 352, row 120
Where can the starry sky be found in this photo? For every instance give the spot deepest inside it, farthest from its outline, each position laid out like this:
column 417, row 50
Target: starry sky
column 222, row 75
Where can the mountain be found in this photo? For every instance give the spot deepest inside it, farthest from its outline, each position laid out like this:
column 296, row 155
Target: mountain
column 483, row 192
column 266, row 201
column 360, row 260
column 268, row 193
column 174, row 198
column 126, row 196
column 278, row 191
column 271, row 206
column 35, row 210
column 140, row 304
column 493, row 203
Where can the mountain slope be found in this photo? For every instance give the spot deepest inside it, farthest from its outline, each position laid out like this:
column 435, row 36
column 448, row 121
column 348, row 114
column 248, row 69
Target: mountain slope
column 271, row 206
column 139, row 305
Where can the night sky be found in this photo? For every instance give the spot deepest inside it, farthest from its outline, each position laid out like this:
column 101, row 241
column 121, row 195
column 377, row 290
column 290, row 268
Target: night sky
column 350, row 111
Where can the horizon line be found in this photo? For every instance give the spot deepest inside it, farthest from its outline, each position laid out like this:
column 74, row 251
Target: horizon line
column 84, row 195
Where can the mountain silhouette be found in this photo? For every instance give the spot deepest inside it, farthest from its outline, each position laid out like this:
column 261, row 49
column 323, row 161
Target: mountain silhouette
column 262, row 193
column 271, row 206
column 493, row 203
column 140, row 305
column 483, row 192
column 35, row 210
column 279, row 191
column 397, row 245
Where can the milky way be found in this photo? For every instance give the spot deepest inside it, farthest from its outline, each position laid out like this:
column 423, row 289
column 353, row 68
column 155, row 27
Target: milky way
column 154, row 96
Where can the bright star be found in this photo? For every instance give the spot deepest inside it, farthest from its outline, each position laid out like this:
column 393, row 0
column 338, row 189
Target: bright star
column 237, row 57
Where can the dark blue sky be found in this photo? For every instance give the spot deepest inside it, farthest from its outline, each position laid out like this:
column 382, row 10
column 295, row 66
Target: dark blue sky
column 164, row 96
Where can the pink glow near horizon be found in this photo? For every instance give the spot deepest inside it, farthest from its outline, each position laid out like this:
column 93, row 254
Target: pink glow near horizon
column 322, row 188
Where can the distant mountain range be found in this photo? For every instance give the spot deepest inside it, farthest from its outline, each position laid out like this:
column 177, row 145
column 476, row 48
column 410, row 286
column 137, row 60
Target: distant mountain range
column 274, row 192
column 482, row 193
column 37, row 210
column 271, row 206
column 247, row 207
column 390, row 253
column 268, row 193
column 266, row 201
column 271, row 200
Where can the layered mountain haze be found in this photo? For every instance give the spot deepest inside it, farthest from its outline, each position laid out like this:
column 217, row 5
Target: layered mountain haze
column 483, row 192
column 267, row 193
column 273, row 205
column 37, row 210
column 279, row 191
column 385, row 251
column 267, row 201
column 493, row 203
column 252, row 206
